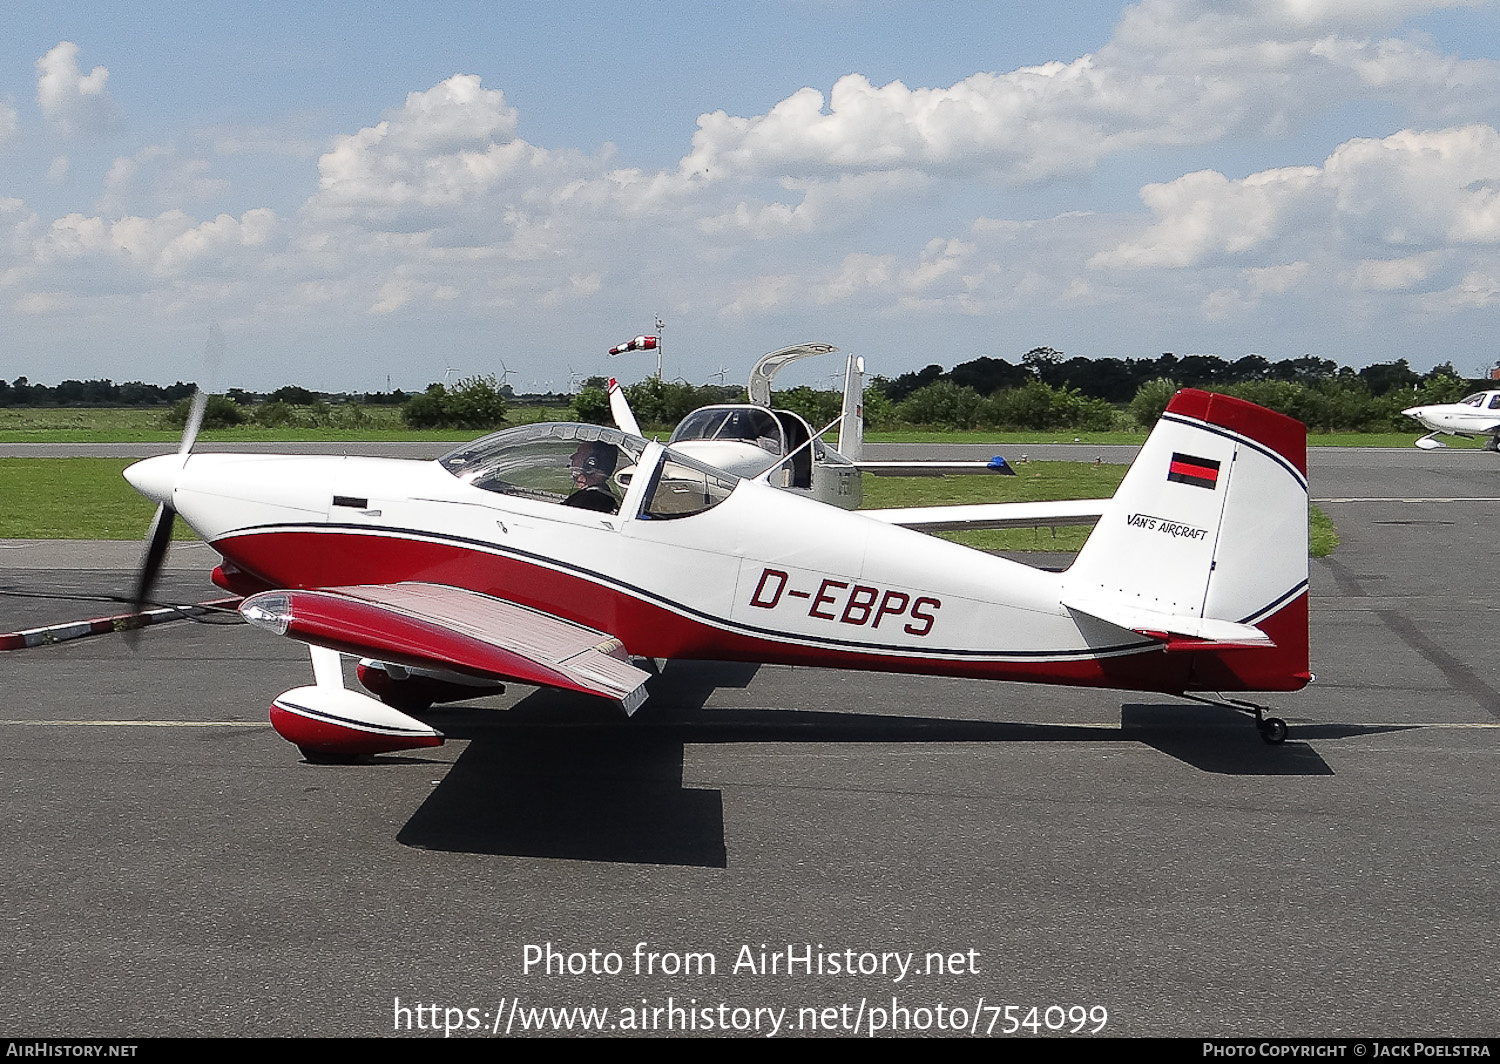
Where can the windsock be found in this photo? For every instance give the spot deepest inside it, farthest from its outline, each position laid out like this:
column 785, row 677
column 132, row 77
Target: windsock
column 640, row 343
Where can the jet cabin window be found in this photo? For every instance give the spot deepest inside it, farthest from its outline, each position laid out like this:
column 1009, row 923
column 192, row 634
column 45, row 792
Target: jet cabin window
column 582, row 466
column 683, row 487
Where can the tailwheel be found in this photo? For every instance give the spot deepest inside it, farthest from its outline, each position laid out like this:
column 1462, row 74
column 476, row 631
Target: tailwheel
column 1272, row 730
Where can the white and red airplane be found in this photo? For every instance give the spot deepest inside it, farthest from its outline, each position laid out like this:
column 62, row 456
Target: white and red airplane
column 1473, row 415
column 520, row 557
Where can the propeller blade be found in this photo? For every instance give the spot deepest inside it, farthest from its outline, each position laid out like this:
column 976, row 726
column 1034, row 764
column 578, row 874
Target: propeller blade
column 213, row 355
column 194, row 421
column 159, row 536
column 158, row 539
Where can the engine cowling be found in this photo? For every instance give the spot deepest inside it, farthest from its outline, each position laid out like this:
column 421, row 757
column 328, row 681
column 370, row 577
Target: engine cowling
column 340, row 723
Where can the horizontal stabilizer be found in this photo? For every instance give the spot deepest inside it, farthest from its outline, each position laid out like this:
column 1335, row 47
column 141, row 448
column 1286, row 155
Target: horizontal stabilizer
column 993, row 515
column 1208, row 633
column 434, row 626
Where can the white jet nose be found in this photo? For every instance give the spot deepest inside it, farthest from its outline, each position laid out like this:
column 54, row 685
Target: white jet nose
column 156, row 477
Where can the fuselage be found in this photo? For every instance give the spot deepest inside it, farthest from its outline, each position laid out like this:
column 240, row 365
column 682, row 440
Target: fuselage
column 1475, row 415
column 693, row 565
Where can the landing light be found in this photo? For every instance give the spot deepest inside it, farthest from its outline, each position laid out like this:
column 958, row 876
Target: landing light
column 272, row 612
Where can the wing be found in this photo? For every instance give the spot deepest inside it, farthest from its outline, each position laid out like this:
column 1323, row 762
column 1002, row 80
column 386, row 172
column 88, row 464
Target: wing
column 935, row 469
column 434, row 626
column 993, row 515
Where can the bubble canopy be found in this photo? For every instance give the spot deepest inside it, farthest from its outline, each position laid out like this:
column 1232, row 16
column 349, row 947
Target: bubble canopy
column 587, row 465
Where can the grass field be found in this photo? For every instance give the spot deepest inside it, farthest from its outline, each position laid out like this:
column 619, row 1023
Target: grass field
column 72, row 498
column 87, row 498
column 1033, row 482
column 1314, row 439
column 383, row 423
column 105, row 425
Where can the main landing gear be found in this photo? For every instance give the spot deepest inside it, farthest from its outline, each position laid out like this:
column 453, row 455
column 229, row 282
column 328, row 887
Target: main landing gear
column 1272, row 729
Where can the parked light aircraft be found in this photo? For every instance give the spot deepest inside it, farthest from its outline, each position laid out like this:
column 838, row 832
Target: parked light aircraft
column 453, row 577
column 1474, row 415
column 756, row 440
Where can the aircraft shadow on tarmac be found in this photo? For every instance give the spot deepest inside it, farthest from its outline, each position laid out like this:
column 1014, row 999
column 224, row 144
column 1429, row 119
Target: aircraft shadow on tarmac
column 562, row 776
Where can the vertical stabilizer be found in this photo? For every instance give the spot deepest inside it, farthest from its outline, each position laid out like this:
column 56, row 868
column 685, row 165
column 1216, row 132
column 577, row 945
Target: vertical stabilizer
column 852, row 427
column 1206, row 542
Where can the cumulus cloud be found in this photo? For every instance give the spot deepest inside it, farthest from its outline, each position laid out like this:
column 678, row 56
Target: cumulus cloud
column 1393, row 275
column 446, row 145
column 85, row 255
column 1188, row 22
column 1205, row 212
column 1176, row 72
column 859, row 203
column 159, row 178
column 442, row 203
column 1395, row 229
column 74, row 103
column 820, row 206
column 18, row 226
column 1477, row 290
column 1406, row 192
column 1027, row 125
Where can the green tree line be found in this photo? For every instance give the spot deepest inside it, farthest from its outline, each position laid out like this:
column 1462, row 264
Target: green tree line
column 1045, row 390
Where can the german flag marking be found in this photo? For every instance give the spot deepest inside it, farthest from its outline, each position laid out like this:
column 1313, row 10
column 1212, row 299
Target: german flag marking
column 1189, row 469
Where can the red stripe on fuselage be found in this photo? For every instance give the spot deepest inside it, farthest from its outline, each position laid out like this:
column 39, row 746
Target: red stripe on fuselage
column 303, row 559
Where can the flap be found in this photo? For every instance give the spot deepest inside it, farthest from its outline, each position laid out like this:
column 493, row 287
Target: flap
column 435, row 626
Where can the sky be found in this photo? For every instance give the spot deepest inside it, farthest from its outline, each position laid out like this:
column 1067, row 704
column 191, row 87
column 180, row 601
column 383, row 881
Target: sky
column 379, row 195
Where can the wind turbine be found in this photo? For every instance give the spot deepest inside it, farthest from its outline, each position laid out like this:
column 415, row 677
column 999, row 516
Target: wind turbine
column 505, row 373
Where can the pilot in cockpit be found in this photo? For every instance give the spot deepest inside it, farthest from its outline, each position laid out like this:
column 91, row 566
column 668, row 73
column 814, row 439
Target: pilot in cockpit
column 590, row 467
